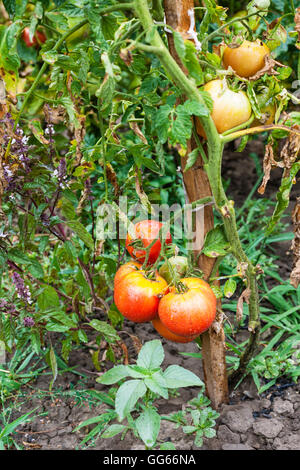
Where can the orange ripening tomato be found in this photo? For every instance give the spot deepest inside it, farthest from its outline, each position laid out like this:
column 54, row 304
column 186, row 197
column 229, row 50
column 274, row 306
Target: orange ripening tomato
column 125, row 269
column 167, row 334
column 230, row 108
column 190, row 312
column 39, row 37
column 247, row 59
column 137, row 297
column 146, row 231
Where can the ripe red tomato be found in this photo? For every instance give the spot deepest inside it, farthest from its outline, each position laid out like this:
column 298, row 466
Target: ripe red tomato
column 146, row 231
column 125, row 269
column 167, row 334
column 137, row 297
column 191, row 312
column 39, row 37
column 230, row 108
column 247, row 59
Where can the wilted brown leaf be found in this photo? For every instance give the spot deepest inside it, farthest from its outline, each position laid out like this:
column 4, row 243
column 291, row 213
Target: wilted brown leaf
column 113, row 134
column 112, row 177
column 79, row 134
column 290, row 150
column 126, row 56
column 123, row 346
column 136, row 343
column 134, row 126
column 244, row 297
column 54, row 115
column 269, row 161
column 268, row 68
column 141, row 193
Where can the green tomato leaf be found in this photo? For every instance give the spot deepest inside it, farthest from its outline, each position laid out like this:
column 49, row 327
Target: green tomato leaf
column 216, row 243
column 113, row 430
column 107, row 330
column 229, row 288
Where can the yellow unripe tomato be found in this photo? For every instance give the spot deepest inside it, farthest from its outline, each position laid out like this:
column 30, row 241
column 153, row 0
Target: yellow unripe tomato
column 230, row 108
column 247, row 59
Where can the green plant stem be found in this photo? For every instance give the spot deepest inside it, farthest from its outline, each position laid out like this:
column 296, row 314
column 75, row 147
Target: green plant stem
column 240, row 127
column 103, row 151
column 213, row 167
column 256, row 130
column 234, row 20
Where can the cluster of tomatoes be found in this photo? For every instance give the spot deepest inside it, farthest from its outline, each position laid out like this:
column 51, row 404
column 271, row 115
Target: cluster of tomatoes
column 230, row 108
column 179, row 311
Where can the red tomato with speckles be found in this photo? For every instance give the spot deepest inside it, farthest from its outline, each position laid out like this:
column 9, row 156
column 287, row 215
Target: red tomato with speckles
column 136, row 296
column 146, row 231
column 191, row 311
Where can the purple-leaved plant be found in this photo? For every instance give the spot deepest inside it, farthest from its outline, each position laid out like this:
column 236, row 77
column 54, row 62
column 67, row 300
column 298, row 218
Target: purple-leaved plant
column 23, row 291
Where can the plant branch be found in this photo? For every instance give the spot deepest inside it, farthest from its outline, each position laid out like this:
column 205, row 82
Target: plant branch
column 234, row 20
column 256, row 130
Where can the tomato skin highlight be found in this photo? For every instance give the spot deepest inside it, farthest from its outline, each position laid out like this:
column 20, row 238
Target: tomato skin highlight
column 137, row 297
column 38, row 37
column 146, row 231
column 167, row 334
column 247, row 59
column 188, row 313
column 230, row 108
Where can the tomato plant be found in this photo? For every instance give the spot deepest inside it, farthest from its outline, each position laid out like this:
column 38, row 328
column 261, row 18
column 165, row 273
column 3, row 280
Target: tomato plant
column 108, row 107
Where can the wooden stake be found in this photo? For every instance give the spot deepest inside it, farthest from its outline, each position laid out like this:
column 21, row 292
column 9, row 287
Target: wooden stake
column 177, row 13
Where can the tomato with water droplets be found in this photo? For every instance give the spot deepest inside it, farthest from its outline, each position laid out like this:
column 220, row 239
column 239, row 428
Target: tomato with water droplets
column 189, row 310
column 137, row 296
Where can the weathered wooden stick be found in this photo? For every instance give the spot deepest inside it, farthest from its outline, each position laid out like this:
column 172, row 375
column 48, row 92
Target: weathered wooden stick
column 178, row 16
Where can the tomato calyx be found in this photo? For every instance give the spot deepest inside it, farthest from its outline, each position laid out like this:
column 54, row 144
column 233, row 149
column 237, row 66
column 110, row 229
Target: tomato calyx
column 180, row 287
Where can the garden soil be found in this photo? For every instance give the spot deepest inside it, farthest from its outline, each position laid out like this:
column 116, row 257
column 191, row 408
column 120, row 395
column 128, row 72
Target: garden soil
column 267, row 422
